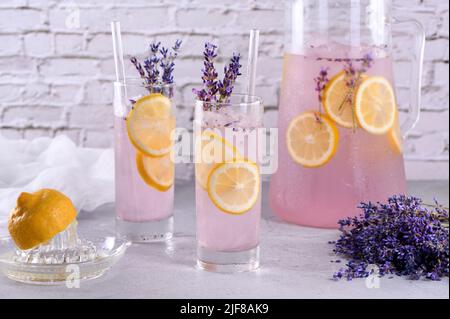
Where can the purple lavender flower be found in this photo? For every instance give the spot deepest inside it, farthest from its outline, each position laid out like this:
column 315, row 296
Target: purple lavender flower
column 139, row 68
column 350, row 73
column 208, row 93
column 202, row 95
column 214, row 90
column 209, row 72
column 367, row 62
column 159, row 66
column 353, row 74
column 151, row 66
column 321, row 82
column 167, row 62
column 401, row 237
column 176, row 48
column 226, row 86
column 154, row 48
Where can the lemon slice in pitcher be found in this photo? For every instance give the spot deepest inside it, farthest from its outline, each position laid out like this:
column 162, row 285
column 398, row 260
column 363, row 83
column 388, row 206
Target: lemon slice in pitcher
column 396, row 137
column 150, row 125
column 312, row 139
column 375, row 105
column 234, row 187
column 337, row 102
column 211, row 149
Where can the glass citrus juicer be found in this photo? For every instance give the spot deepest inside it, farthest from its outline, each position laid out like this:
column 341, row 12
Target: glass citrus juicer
column 340, row 137
column 45, row 247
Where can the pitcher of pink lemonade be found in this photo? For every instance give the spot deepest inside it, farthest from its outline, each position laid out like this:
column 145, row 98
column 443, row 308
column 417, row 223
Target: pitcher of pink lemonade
column 340, row 137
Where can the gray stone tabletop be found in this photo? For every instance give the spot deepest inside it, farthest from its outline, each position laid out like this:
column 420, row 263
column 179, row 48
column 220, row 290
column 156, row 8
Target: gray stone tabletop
column 295, row 264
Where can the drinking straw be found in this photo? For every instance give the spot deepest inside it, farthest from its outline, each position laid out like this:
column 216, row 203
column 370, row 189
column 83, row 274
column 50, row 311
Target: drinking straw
column 252, row 61
column 118, row 51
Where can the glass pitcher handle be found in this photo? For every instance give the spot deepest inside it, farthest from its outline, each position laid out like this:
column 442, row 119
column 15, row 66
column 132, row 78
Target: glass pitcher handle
column 417, row 70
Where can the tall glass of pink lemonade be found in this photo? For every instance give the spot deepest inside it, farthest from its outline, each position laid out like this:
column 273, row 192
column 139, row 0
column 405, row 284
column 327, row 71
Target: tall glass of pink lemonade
column 228, row 183
column 144, row 167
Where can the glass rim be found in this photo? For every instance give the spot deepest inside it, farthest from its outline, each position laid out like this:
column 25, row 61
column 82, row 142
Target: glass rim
column 253, row 100
column 138, row 82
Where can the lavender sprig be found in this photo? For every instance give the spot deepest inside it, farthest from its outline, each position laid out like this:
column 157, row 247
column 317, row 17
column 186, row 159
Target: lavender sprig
column 166, row 66
column 167, row 62
column 367, row 62
column 208, row 93
column 139, row 68
column 226, row 86
column 350, row 73
column 214, row 90
column 209, row 72
column 154, row 48
column 176, row 48
column 321, row 82
column 159, row 66
column 151, row 66
column 403, row 237
column 353, row 75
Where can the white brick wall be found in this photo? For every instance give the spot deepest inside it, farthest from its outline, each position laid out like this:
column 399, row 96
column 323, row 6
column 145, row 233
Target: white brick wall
column 56, row 79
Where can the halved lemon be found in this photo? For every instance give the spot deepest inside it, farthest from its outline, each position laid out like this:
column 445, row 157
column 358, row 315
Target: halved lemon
column 234, row 187
column 40, row 216
column 211, row 149
column 396, row 137
column 150, row 125
column 312, row 139
column 337, row 102
column 375, row 105
column 157, row 172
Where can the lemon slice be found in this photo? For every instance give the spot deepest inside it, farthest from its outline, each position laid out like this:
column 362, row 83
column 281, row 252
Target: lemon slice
column 234, row 187
column 395, row 136
column 157, row 172
column 312, row 139
column 156, row 105
column 211, row 149
column 375, row 105
column 150, row 125
column 337, row 103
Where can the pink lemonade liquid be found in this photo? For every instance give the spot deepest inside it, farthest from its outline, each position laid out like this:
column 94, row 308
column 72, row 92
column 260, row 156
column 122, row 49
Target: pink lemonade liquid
column 135, row 200
column 365, row 167
column 220, row 231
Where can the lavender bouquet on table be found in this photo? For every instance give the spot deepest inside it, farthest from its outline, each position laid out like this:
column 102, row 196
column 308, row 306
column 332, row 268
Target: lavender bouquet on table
column 214, row 90
column 402, row 237
column 157, row 69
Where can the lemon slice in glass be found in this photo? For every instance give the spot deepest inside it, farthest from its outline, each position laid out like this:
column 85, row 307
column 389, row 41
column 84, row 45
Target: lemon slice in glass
column 211, row 149
column 150, row 125
column 157, row 172
column 234, row 187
